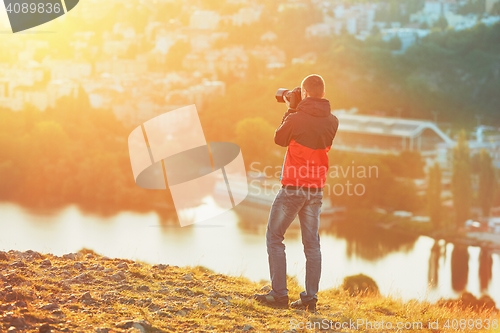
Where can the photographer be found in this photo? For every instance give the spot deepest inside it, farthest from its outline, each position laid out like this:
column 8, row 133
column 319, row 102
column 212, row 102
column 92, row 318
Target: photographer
column 307, row 129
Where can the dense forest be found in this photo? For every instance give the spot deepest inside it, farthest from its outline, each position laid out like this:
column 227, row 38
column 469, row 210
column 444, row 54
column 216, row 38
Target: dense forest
column 70, row 154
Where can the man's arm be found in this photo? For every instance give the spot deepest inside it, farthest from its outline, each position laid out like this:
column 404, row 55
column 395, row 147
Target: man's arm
column 283, row 134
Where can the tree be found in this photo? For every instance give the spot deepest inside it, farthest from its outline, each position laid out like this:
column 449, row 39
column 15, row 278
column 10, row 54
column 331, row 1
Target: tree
column 495, row 10
column 441, row 23
column 487, row 182
column 461, row 180
column 434, row 190
column 255, row 136
column 395, row 43
column 176, row 55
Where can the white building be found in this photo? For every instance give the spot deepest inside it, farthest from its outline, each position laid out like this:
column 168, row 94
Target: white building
column 318, row 30
column 204, row 19
column 247, row 15
column 385, row 135
column 408, row 36
column 440, row 7
column 66, row 69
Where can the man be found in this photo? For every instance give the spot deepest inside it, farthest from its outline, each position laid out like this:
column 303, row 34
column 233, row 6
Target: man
column 308, row 132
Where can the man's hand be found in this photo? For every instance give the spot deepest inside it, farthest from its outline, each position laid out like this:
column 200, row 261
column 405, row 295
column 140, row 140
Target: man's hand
column 287, row 102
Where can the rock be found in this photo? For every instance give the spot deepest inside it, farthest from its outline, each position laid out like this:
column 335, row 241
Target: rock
column 14, row 296
column 97, row 267
column 26, row 256
column 247, row 328
column 17, row 264
column 83, row 277
column 187, row 277
column 119, row 276
column 86, row 297
column 164, row 291
column 45, row 263
column 124, row 287
column 360, row 285
column 139, row 327
column 201, row 306
column 143, row 288
column 102, row 330
column 124, row 324
column 184, row 290
column 17, row 322
column 469, row 301
column 108, row 270
column 122, row 265
column 161, row 313
column 70, row 256
column 58, row 313
column 21, row 304
column 50, row 307
column 78, row 265
column 4, row 256
column 181, row 313
column 160, row 267
column 224, row 301
column 212, row 301
column 45, row 328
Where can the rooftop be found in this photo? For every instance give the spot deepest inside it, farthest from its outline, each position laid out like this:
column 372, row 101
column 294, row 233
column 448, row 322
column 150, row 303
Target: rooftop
column 386, row 125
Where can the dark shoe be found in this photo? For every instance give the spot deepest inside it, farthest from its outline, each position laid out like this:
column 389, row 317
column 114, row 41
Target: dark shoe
column 275, row 302
column 301, row 305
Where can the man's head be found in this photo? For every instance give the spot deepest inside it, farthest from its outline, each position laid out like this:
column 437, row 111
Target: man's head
column 313, row 86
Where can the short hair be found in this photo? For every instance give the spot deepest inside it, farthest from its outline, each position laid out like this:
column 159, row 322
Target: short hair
column 315, row 85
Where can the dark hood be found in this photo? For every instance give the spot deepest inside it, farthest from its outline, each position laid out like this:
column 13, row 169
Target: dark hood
column 317, row 107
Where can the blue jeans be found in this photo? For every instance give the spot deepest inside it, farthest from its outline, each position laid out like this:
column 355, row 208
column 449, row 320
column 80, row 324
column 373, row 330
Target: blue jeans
column 286, row 206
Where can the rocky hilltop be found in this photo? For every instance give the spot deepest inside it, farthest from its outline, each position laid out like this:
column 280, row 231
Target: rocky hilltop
column 87, row 292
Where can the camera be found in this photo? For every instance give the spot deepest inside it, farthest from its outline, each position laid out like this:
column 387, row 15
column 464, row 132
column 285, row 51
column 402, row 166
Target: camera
column 293, row 96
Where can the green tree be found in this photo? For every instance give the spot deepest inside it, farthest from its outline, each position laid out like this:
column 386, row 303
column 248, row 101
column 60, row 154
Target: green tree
column 487, row 182
column 434, row 190
column 176, row 55
column 255, row 136
column 441, row 23
column 395, row 43
column 461, row 180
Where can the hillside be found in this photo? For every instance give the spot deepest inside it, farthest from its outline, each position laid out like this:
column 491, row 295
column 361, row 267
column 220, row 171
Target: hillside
column 86, row 292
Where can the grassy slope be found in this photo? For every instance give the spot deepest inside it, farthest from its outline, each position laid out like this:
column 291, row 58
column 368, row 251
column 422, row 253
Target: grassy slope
column 86, row 292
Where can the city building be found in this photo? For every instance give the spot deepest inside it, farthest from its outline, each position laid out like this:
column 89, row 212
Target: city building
column 385, row 135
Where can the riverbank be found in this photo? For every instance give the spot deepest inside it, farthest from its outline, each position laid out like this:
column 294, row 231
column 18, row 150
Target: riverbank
column 86, row 292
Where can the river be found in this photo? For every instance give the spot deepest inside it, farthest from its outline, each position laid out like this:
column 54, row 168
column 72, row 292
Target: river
column 404, row 267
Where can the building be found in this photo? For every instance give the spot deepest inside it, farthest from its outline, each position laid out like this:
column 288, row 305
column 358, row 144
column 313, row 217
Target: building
column 204, row 20
column 384, row 135
column 408, row 36
column 440, row 7
column 247, row 15
column 490, row 4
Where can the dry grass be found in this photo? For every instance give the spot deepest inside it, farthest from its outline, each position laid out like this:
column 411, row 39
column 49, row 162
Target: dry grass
column 86, row 293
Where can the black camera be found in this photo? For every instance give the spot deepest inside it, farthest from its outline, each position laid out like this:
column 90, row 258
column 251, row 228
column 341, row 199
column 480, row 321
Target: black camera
column 293, row 96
